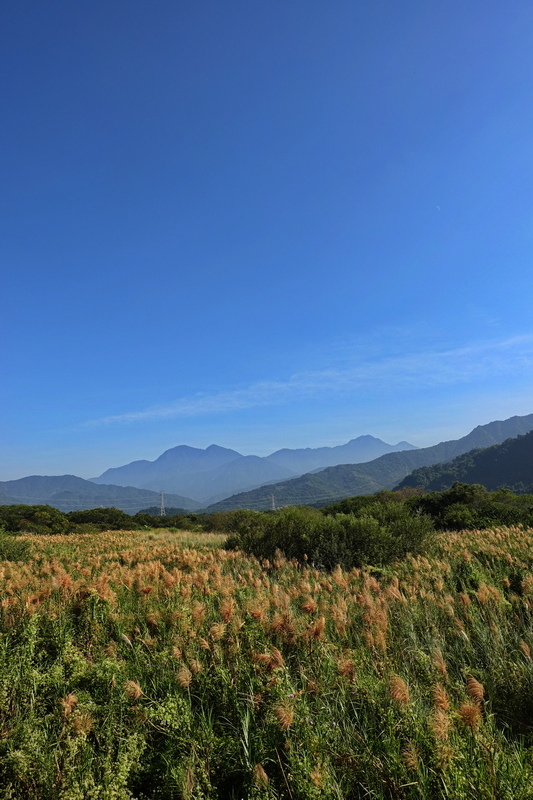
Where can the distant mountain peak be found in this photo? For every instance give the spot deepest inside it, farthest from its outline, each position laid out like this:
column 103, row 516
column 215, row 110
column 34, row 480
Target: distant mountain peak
column 384, row 472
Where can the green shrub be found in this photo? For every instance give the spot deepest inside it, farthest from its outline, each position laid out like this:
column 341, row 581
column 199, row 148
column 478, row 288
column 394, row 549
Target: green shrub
column 85, row 527
column 383, row 532
column 33, row 519
column 109, row 519
column 470, row 506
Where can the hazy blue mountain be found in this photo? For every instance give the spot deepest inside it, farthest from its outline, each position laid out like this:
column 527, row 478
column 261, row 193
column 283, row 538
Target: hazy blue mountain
column 166, row 471
column 7, row 500
column 246, row 472
column 212, row 474
column 356, row 451
column 336, row 483
column 205, row 475
column 70, row 493
column 509, row 465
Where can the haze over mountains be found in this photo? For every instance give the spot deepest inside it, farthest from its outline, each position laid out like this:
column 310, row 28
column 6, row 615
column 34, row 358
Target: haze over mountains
column 191, row 478
column 70, row 493
column 385, row 472
column 216, row 472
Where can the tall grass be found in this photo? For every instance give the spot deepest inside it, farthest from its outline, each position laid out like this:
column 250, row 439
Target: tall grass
column 141, row 665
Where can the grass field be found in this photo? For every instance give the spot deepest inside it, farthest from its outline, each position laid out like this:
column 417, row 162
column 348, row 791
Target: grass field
column 158, row 665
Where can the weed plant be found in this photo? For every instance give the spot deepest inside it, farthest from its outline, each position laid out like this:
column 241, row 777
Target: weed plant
column 143, row 665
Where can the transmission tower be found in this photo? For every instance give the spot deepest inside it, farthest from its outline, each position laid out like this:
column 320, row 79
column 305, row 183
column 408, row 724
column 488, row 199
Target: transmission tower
column 161, row 504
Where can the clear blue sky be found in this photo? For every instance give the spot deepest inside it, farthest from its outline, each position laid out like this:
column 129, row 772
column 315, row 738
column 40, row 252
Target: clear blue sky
column 285, row 223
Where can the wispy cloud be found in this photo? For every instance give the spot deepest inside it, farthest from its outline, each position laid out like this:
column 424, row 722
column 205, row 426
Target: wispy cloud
column 421, row 369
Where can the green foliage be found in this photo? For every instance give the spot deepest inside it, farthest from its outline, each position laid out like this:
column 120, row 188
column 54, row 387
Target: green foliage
column 357, row 504
column 379, row 533
column 174, row 518
column 12, row 548
column 105, row 519
column 503, row 465
column 466, row 507
column 33, row 519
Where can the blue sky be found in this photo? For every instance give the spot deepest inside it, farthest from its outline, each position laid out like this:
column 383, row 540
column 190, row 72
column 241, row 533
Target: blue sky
column 261, row 225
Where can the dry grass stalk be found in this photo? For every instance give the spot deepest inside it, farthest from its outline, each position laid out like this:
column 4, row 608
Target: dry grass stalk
column 282, row 624
column 439, row 662
column 217, row 631
column 399, row 691
column 445, row 754
column 227, row 609
column 470, row 714
column 380, row 640
column 524, row 647
column 410, row 756
column 339, row 578
column 270, row 661
column 260, row 776
column 440, row 724
column 309, row 605
column 475, row 689
column 440, row 697
column 316, row 630
column 393, row 593
column 133, row 690
column 277, row 658
column 256, row 610
column 152, row 620
column 81, row 723
column 483, row 593
column 317, row 779
column 184, row 677
column 198, row 612
column 285, row 715
column 67, row 704
column 346, row 668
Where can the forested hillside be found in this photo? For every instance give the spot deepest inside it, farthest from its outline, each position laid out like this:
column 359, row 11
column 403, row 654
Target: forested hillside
column 385, row 472
column 508, row 465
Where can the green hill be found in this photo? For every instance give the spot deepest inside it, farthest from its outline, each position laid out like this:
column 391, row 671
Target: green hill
column 508, row 465
column 70, row 493
column 346, row 480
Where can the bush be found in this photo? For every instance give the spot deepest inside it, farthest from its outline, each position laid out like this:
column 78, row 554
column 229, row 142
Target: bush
column 382, row 533
column 470, row 506
column 105, row 519
column 33, row 519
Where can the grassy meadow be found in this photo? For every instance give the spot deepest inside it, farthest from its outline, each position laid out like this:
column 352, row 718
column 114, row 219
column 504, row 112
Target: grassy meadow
column 159, row 665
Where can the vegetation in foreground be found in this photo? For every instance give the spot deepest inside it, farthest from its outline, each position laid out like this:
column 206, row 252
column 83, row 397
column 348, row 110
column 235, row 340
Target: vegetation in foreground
column 142, row 665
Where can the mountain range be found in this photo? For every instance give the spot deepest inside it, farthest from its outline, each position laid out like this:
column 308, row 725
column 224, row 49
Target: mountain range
column 70, row 493
column 215, row 473
column 195, row 479
column 508, row 465
column 385, row 472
